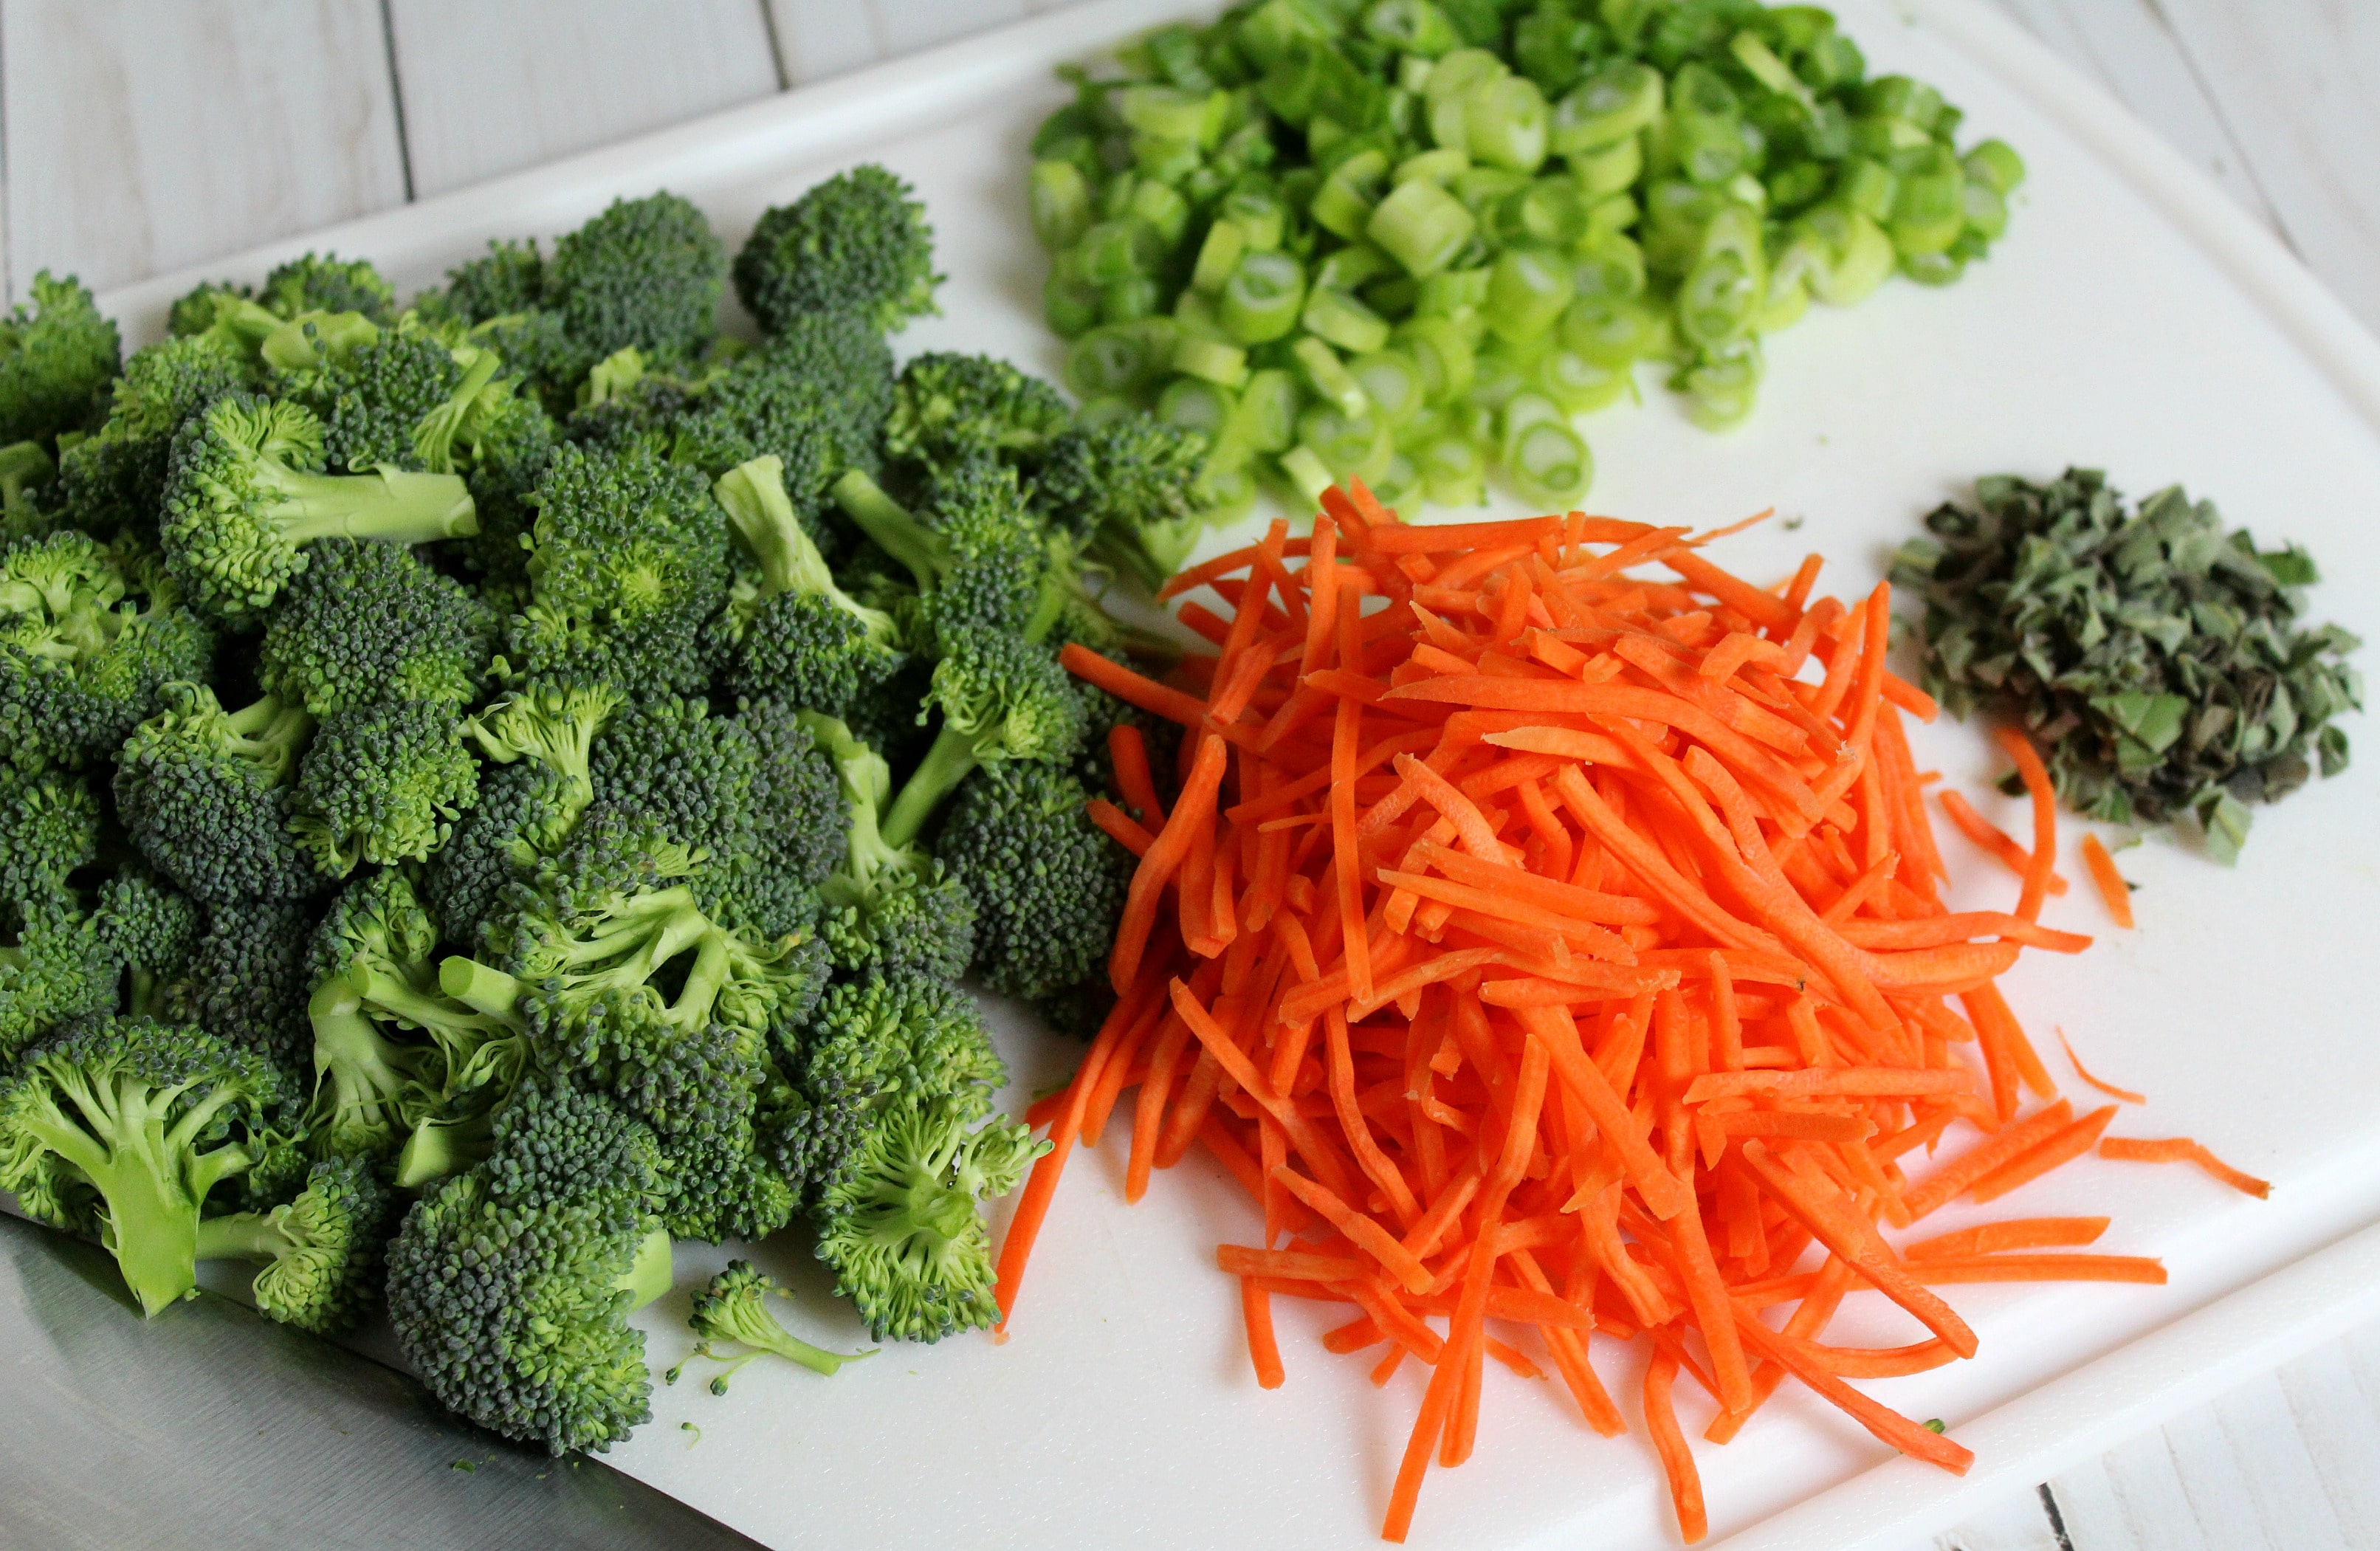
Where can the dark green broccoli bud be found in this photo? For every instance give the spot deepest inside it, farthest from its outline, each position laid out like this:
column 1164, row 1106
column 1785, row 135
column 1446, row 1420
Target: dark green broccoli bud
column 950, row 407
column 734, row 1308
column 788, row 630
column 1128, row 489
column 975, row 553
column 368, row 622
column 29, row 492
column 626, row 402
column 645, row 272
column 628, row 560
column 502, row 450
column 1047, row 883
column 49, row 826
column 889, row 908
column 198, row 310
column 510, row 1287
column 326, row 283
column 205, row 793
column 320, row 1253
column 57, row 356
column 245, row 496
column 54, row 967
column 398, row 398
column 122, row 1126
column 509, row 278
column 1001, row 698
column 856, row 243
column 89, row 635
column 151, row 931
column 246, row 980
column 115, row 478
column 383, row 783
column 902, row 1229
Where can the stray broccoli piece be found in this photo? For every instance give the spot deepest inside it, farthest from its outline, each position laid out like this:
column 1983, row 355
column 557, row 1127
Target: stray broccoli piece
column 383, row 783
column 1047, row 883
column 115, row 478
column 856, row 243
column 889, row 908
column 123, row 1126
column 788, row 629
column 49, row 826
column 148, row 932
column 55, row 969
column 1128, row 489
column 320, row 1253
column 734, row 1308
column 326, row 283
column 1001, row 698
column 246, row 980
column 89, row 635
column 205, row 793
column 243, row 497
column 57, row 356
column 645, row 272
column 950, row 407
column 628, row 560
column 510, row 1286
column 975, row 553
column 368, row 622
column 902, row 1229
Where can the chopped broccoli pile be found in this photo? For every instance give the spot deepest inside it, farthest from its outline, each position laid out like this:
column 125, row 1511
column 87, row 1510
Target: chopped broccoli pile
column 492, row 786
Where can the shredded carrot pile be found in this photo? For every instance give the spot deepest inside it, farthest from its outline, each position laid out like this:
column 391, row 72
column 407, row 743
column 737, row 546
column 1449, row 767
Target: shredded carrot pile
column 1545, row 947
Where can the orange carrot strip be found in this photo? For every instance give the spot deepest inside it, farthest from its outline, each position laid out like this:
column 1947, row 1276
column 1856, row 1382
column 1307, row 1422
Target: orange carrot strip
column 1119, row 825
column 1240, row 1260
column 2041, row 1269
column 1994, row 838
column 1234, row 1061
column 2181, row 1149
column 1867, row 1081
column 1368, row 1156
column 1823, row 1219
column 2061, row 1147
column 2014, row 1233
column 2114, row 892
column 1195, row 810
column 1940, row 931
column 2127, row 1094
column 1952, row 1179
column 1552, row 1030
column 1888, row 1426
column 1264, row 1350
column 1133, row 688
column 1669, row 1443
column 1128, row 752
column 2045, row 819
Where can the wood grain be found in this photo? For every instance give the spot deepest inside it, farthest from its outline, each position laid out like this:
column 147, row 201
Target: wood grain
column 492, row 88
column 144, row 137
column 816, row 40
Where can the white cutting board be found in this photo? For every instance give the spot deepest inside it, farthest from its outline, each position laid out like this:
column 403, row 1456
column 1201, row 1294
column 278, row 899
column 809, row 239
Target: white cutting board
column 2132, row 319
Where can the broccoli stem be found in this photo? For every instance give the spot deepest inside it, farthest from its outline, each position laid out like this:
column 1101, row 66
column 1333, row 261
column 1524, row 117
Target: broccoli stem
column 388, row 504
column 753, row 495
column 270, row 734
column 244, row 1236
column 648, row 1275
column 440, row 1148
column 947, row 762
column 483, row 989
column 433, row 438
column 897, row 532
column 364, row 1073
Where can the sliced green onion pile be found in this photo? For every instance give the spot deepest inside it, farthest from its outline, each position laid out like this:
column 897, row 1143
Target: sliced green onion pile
column 1411, row 242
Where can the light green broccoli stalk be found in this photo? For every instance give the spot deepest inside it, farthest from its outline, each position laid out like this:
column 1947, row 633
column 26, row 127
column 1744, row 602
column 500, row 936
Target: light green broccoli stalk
column 733, row 1309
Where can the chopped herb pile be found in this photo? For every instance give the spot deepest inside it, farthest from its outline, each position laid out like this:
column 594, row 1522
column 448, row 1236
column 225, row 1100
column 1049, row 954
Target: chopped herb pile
column 2156, row 659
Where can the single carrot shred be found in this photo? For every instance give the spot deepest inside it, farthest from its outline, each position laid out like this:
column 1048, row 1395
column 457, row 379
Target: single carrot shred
column 1562, row 949
column 2127, row 1094
column 2181, row 1149
column 2114, row 892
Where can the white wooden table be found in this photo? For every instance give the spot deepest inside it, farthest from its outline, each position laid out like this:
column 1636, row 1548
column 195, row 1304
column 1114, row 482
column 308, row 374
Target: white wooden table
column 144, row 135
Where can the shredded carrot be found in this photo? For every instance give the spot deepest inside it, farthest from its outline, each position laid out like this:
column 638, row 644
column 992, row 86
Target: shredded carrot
column 2114, row 892
column 2181, row 1149
column 2127, row 1094
column 1562, row 949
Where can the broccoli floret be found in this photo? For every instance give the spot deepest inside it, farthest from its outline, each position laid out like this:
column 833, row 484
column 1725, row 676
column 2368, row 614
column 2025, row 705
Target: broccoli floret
column 54, row 967
column 376, row 944
column 975, row 553
column 398, row 398
column 206, row 795
column 245, row 496
column 320, row 1253
column 889, row 908
column 645, row 272
column 326, row 283
column 1001, row 698
column 788, row 629
column 115, row 478
column 57, row 356
column 734, row 1308
column 950, row 407
column 627, row 401
column 510, row 278
column 123, row 1126
column 1047, row 883
column 815, row 398
column 49, row 826
column 149, row 931
column 1127, row 488
column 89, row 634
column 502, row 450
column 368, row 622
column 383, row 783
column 902, row 1229
column 510, row 1286
column 628, row 560
column 246, row 980
column 28, row 494
column 856, row 243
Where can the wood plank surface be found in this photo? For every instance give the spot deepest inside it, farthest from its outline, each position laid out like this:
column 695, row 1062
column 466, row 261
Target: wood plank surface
column 816, row 40
column 141, row 137
column 488, row 89
column 906, row 25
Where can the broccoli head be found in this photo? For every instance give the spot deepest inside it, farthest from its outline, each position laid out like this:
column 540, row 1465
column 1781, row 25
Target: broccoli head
column 148, row 933
column 57, row 356
column 375, row 944
column 1047, row 883
column 49, row 826
column 814, row 397
column 788, row 629
column 628, row 560
column 976, row 552
column 246, row 980
column 115, row 478
column 243, row 497
column 902, row 1228
column 29, row 495
column 1127, row 488
column 646, row 272
column 398, row 396
column 502, row 450
column 326, row 283
column 950, row 407
column 54, row 967
column 123, row 1126
column 205, row 793
column 734, row 1308
column 368, row 622
column 319, row 1254
column 889, row 908
column 857, row 243
column 1001, row 697
column 383, row 783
